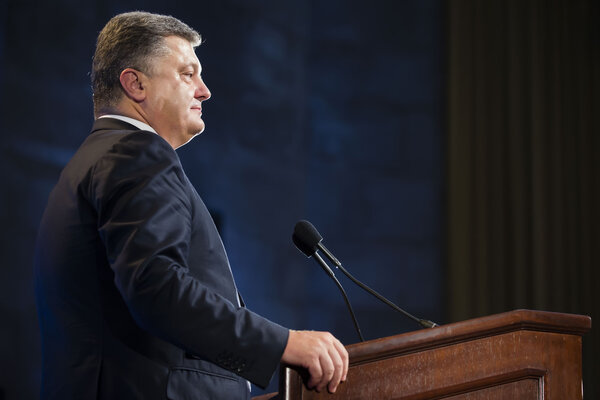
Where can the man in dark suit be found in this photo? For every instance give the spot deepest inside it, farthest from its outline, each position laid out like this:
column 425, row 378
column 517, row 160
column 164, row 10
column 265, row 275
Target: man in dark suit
column 135, row 294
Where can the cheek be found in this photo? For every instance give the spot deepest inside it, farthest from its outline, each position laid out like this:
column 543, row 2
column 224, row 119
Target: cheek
column 182, row 100
column 161, row 102
column 172, row 98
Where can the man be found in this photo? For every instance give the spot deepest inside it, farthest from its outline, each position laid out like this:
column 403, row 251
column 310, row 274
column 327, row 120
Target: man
column 135, row 295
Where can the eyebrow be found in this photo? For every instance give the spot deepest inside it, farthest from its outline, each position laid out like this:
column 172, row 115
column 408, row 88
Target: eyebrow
column 195, row 66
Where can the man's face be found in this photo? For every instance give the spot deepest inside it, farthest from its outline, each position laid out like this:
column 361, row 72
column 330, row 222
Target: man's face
column 175, row 92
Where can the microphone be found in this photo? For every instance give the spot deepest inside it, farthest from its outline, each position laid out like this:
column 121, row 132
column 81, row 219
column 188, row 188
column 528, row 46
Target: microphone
column 302, row 246
column 309, row 241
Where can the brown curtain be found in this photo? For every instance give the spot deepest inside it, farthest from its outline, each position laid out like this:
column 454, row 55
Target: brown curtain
column 524, row 161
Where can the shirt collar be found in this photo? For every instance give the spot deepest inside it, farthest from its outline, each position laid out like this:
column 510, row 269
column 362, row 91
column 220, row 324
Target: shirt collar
column 137, row 123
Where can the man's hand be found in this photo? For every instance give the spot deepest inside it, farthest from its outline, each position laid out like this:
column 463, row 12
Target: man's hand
column 321, row 354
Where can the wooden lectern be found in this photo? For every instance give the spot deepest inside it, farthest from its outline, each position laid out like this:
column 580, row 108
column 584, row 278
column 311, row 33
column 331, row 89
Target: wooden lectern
column 515, row 355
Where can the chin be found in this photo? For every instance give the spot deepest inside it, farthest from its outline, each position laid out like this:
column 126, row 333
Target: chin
column 198, row 128
column 190, row 137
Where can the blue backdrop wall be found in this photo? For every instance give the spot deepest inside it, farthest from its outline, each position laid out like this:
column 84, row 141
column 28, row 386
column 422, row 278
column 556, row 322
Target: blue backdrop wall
column 328, row 111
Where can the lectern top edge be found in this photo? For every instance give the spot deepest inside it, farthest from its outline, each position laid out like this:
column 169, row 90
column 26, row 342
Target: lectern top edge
column 466, row 330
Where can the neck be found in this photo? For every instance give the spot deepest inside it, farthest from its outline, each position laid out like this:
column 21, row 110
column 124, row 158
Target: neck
column 134, row 110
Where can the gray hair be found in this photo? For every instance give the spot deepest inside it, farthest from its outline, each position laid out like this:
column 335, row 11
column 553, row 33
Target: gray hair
column 131, row 40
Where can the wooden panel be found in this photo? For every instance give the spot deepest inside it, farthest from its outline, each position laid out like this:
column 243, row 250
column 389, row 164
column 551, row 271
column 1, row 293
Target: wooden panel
column 490, row 357
column 525, row 389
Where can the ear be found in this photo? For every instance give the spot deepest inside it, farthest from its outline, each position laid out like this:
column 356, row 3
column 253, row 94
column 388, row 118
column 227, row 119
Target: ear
column 132, row 84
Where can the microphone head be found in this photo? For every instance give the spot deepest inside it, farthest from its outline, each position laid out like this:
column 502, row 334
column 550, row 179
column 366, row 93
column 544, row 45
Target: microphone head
column 306, row 237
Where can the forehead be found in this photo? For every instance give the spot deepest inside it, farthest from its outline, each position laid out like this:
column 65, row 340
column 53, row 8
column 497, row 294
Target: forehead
column 181, row 53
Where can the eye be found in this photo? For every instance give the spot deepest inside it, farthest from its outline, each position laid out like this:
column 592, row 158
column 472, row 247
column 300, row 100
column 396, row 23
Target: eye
column 188, row 75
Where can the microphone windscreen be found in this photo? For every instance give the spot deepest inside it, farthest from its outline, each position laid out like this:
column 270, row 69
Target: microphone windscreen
column 306, row 237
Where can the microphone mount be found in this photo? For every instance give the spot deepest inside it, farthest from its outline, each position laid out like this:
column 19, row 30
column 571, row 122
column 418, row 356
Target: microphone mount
column 329, row 272
column 423, row 322
column 309, row 241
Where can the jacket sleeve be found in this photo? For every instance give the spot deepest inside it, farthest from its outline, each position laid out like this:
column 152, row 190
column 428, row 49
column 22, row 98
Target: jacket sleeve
column 144, row 211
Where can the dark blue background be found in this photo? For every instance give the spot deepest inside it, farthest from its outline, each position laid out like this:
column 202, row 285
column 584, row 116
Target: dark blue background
column 330, row 111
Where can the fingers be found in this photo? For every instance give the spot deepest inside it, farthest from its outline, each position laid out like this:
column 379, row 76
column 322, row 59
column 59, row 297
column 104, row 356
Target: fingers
column 338, row 370
column 316, row 374
column 322, row 354
column 343, row 353
column 328, row 369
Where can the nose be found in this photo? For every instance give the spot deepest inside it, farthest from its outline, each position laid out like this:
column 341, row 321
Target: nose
column 202, row 92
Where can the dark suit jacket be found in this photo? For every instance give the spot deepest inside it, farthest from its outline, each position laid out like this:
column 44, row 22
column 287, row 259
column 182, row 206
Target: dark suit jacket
column 135, row 295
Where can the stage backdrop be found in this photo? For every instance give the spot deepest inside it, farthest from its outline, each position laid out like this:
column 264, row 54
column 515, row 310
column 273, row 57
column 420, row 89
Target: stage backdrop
column 329, row 111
